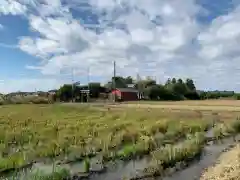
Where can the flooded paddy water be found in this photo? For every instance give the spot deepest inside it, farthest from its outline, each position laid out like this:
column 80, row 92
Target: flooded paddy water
column 132, row 169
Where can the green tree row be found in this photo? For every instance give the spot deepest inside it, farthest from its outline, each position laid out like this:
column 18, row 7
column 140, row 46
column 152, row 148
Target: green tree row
column 173, row 89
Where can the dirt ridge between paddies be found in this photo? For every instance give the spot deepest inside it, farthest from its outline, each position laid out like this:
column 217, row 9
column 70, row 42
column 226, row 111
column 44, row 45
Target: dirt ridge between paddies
column 228, row 166
column 181, row 107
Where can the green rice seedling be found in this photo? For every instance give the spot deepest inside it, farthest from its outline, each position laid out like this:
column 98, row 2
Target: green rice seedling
column 160, row 126
column 218, row 131
column 14, row 161
column 127, row 151
column 226, row 129
column 171, row 136
column 3, row 150
column 133, row 150
column 2, row 135
column 236, row 125
column 77, row 130
column 130, row 136
column 151, row 143
column 159, row 140
column 169, row 155
column 119, row 127
column 86, row 165
column 194, row 127
column 144, row 143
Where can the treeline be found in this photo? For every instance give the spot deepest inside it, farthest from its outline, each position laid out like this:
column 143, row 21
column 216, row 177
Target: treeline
column 68, row 92
column 173, row 89
column 219, row 95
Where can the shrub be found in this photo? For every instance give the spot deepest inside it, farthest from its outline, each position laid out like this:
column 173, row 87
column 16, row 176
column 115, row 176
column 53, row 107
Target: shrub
column 29, row 99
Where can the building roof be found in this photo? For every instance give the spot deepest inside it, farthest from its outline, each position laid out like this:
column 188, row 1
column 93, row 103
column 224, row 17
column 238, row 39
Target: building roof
column 127, row 90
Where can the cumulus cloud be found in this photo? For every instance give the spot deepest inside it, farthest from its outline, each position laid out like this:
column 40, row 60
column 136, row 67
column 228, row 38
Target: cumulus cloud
column 142, row 39
column 164, row 38
column 12, row 7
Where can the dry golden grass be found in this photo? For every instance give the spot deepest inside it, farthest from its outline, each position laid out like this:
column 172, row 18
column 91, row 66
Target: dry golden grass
column 228, row 167
column 205, row 105
column 217, row 102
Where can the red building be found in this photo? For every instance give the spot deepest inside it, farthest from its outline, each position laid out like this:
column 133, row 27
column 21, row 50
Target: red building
column 125, row 94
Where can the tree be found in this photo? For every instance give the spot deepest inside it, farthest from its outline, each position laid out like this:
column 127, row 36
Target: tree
column 174, row 81
column 168, row 84
column 179, row 87
column 95, row 89
column 65, row 92
column 120, row 82
column 160, row 92
column 190, row 85
column 129, row 80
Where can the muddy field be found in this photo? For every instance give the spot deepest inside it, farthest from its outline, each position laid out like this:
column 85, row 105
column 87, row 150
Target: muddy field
column 74, row 141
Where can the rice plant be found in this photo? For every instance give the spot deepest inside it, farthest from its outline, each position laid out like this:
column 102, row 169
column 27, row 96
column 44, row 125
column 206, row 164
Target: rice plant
column 57, row 132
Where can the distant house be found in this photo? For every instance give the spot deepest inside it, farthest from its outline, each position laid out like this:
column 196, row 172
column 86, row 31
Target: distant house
column 54, row 91
column 125, row 94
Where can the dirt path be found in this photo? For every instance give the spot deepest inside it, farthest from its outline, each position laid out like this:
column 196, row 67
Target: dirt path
column 207, row 105
column 183, row 107
column 193, row 102
column 227, row 168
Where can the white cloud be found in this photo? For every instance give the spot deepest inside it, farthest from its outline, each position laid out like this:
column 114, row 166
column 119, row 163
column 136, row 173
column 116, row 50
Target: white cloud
column 12, row 7
column 222, row 37
column 144, row 41
column 163, row 38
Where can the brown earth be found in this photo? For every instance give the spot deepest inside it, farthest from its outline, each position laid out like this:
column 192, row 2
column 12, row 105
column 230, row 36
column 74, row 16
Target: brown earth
column 206, row 105
column 227, row 168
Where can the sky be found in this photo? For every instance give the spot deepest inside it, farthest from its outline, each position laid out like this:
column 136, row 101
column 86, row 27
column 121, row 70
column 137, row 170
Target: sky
column 43, row 41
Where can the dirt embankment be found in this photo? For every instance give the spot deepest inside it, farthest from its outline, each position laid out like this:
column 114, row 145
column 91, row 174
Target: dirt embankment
column 207, row 105
column 228, row 167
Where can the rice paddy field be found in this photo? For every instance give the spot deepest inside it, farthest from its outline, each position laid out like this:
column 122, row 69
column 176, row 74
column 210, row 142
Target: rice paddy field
column 84, row 142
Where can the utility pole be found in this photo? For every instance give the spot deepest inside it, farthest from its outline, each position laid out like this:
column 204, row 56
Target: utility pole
column 72, row 82
column 113, row 81
column 138, row 87
column 88, row 79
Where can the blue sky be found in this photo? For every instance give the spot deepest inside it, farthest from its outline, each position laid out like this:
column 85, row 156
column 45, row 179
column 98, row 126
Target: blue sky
column 42, row 41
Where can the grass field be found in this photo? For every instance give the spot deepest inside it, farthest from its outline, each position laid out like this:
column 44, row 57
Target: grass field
column 60, row 133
